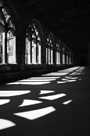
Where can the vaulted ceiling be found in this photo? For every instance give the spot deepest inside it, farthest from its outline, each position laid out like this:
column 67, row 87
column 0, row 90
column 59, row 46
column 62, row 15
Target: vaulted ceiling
column 68, row 19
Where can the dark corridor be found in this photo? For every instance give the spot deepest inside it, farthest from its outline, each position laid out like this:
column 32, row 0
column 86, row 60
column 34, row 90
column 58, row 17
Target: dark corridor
column 83, row 61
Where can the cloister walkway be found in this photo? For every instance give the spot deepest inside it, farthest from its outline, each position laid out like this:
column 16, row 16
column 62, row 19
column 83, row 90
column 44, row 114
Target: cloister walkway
column 53, row 104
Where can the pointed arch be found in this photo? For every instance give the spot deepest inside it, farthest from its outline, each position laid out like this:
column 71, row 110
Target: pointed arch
column 33, row 43
column 49, row 49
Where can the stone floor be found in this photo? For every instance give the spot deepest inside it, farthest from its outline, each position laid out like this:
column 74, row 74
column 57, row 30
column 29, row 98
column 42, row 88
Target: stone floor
column 54, row 104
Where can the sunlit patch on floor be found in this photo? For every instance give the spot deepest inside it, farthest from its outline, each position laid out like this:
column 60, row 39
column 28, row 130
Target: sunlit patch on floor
column 71, row 80
column 61, row 82
column 29, row 102
column 12, row 83
column 48, row 77
column 13, row 93
column 55, row 74
column 78, row 73
column 46, row 91
column 29, row 83
column 34, row 81
column 4, row 124
column 67, row 102
column 68, row 70
column 4, row 101
column 71, row 77
column 73, row 73
column 37, row 80
column 53, row 97
column 64, row 79
column 80, row 69
column 35, row 114
column 37, row 111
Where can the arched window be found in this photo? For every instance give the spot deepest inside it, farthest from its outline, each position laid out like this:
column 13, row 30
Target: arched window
column 57, row 53
column 33, row 45
column 49, row 50
column 7, row 31
column 11, row 47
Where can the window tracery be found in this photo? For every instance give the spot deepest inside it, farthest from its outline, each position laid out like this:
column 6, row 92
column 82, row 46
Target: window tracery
column 49, row 50
column 7, row 31
column 33, row 45
column 57, row 53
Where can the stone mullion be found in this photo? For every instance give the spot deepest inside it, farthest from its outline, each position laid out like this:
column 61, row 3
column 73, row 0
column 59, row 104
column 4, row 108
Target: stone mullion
column 30, row 50
column 6, row 56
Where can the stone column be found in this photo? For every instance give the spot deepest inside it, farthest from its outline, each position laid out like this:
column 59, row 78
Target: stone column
column 21, row 51
column 61, row 56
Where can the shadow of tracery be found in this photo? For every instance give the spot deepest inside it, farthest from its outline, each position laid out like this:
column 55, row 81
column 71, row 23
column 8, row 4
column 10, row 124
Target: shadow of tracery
column 35, row 99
